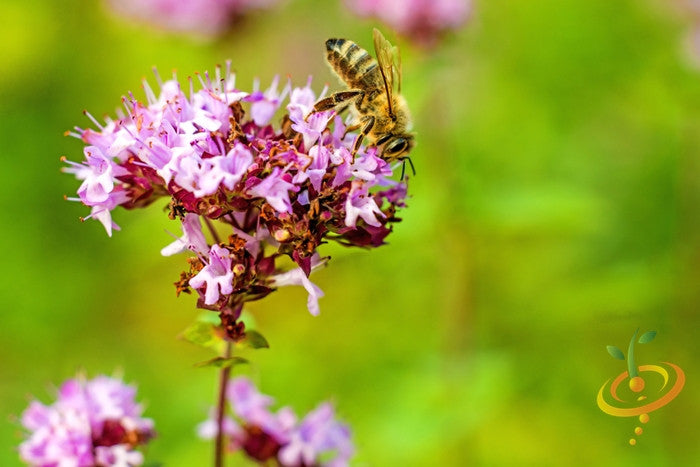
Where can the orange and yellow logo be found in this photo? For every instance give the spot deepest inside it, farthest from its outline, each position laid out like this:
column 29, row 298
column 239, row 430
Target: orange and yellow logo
column 647, row 388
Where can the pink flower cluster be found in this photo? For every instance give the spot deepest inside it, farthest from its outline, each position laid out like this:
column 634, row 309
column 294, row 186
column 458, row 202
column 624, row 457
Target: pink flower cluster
column 92, row 423
column 201, row 17
column 272, row 192
column 264, row 435
column 421, row 20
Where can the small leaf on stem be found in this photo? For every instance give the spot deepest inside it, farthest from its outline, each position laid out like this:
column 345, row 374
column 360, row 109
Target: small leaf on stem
column 255, row 340
column 202, row 334
column 615, row 352
column 221, row 362
column 647, row 337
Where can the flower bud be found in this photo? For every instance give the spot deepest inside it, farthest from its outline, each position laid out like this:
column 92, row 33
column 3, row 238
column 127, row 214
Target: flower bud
column 282, row 235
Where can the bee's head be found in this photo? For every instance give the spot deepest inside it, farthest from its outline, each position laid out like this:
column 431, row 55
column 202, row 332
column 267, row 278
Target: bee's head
column 395, row 147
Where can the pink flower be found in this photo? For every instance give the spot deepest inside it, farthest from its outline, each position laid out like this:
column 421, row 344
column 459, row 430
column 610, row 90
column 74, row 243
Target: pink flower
column 317, row 169
column 270, row 192
column 275, row 189
column 103, row 211
column 233, row 165
column 265, row 104
column 91, row 422
column 208, row 428
column 301, row 101
column 310, row 125
column 192, row 239
column 252, row 407
column 318, row 433
column 365, row 166
column 195, row 175
column 421, row 20
column 298, row 277
column 118, row 456
column 216, row 275
column 204, row 18
column 319, row 439
column 98, row 182
column 360, row 205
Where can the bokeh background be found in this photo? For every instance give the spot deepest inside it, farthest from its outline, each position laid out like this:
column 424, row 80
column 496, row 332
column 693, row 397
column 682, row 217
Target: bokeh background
column 554, row 212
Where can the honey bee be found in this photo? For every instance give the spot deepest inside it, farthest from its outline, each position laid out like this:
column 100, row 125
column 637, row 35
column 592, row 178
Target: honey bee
column 381, row 114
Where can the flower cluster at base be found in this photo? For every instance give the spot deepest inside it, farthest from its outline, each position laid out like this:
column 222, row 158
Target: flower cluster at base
column 268, row 192
column 421, row 20
column 317, row 440
column 206, row 18
column 92, row 423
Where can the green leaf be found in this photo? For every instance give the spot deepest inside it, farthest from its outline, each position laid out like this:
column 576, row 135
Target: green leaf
column 255, row 340
column 647, row 337
column 209, row 317
column 202, row 334
column 615, row 352
column 221, row 362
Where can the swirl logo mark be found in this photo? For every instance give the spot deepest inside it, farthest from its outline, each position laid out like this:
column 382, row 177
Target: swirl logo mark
column 647, row 388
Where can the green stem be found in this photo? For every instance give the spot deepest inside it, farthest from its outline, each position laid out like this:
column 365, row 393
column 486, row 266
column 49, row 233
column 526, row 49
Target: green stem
column 631, row 367
column 219, row 449
column 214, row 234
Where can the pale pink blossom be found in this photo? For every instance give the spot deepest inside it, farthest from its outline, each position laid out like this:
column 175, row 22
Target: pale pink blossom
column 216, row 275
column 421, row 20
column 91, row 422
column 360, row 204
column 204, row 18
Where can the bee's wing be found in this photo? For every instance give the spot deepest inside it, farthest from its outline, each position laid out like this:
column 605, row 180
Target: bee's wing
column 385, row 56
column 397, row 68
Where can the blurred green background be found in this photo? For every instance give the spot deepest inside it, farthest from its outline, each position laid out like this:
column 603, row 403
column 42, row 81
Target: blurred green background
column 554, row 212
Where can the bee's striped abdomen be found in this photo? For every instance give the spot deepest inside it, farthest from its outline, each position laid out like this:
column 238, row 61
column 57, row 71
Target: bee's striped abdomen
column 353, row 64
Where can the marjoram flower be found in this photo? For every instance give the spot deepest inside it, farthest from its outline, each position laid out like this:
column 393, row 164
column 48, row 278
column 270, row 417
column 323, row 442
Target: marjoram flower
column 421, row 20
column 204, row 18
column 92, row 423
column 264, row 435
column 269, row 195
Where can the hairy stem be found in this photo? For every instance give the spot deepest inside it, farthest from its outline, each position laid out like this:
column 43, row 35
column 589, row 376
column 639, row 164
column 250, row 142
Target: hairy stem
column 220, row 410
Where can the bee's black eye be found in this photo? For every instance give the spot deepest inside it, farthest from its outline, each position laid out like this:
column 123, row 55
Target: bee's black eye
column 397, row 146
column 383, row 139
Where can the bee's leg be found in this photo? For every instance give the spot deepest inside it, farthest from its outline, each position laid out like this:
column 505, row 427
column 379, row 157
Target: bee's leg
column 367, row 123
column 336, row 99
column 343, row 107
column 352, row 127
column 403, row 167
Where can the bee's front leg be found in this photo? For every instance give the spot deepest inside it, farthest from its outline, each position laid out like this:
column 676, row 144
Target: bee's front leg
column 352, row 127
column 367, row 123
column 336, row 99
column 403, row 167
